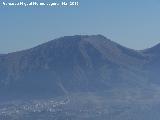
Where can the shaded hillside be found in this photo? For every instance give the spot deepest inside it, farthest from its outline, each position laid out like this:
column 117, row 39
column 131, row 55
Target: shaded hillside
column 72, row 63
column 153, row 63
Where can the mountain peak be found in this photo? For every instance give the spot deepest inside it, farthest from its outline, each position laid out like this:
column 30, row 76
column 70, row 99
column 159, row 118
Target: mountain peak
column 69, row 63
column 82, row 37
column 76, row 40
column 85, row 36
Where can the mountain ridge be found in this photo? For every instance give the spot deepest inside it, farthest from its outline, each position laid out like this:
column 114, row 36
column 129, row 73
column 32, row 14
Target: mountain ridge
column 73, row 63
column 99, row 35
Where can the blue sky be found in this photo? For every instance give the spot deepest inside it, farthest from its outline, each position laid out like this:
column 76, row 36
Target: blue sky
column 132, row 23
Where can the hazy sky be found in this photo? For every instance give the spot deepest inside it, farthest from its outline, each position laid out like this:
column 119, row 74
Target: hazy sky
column 132, row 23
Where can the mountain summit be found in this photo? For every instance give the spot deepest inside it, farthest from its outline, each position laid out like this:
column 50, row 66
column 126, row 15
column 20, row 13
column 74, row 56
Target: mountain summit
column 77, row 63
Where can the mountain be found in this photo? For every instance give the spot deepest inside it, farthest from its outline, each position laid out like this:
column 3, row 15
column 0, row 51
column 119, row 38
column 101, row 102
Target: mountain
column 72, row 63
column 81, row 77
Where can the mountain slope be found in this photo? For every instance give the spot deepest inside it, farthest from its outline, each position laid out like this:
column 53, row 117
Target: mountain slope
column 72, row 63
column 153, row 64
